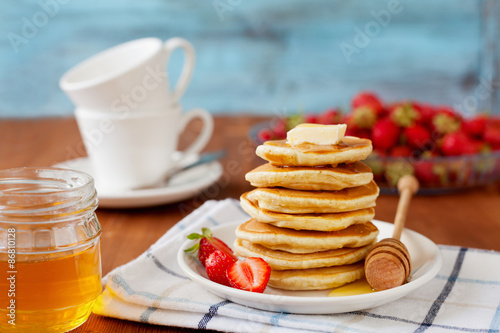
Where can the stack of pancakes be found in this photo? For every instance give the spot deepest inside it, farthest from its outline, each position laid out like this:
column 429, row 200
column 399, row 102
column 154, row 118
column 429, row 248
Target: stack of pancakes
column 311, row 213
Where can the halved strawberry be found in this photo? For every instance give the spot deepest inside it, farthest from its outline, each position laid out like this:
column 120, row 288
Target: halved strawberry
column 251, row 274
column 207, row 245
column 217, row 265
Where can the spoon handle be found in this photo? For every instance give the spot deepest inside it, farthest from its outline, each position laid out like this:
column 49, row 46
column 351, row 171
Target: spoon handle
column 407, row 187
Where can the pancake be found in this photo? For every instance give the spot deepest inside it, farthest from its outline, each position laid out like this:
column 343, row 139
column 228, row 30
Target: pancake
column 304, row 202
column 319, row 222
column 306, row 241
column 316, row 278
column 280, row 153
column 285, row 260
column 311, row 178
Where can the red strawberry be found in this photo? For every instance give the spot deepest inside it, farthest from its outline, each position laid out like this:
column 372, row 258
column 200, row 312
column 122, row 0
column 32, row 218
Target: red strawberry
column 251, row 274
column 475, row 126
column 424, row 171
column 426, row 112
column 207, row 245
column 369, row 100
column 401, row 151
column 363, row 117
column 279, row 129
column 417, row 136
column 385, row 134
column 312, row 119
column 217, row 264
column 492, row 133
column 265, row 134
column 446, row 120
column 453, row 143
column 330, row 116
column 404, row 114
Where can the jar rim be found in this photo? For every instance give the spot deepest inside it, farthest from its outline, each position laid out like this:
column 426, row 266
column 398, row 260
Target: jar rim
column 46, row 192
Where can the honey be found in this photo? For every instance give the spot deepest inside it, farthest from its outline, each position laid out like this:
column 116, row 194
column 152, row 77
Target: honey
column 53, row 290
column 358, row 287
column 50, row 262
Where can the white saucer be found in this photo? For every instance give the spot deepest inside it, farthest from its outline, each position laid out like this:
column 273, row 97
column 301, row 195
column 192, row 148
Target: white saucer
column 426, row 262
column 182, row 186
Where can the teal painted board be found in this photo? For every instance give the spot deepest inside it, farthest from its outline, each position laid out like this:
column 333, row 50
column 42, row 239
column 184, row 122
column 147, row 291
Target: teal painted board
column 264, row 56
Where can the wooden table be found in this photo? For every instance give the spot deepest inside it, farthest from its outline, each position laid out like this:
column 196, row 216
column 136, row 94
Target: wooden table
column 470, row 218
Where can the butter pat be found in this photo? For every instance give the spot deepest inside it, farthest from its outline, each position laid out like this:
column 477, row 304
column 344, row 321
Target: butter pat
column 316, row 134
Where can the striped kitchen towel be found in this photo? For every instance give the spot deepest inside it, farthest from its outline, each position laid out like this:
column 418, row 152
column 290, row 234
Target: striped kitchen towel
column 464, row 296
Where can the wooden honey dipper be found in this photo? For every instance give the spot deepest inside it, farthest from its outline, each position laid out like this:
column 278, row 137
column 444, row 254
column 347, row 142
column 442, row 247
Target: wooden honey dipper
column 388, row 264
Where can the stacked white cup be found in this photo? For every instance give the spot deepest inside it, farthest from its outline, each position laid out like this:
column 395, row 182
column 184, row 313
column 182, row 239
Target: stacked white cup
column 129, row 118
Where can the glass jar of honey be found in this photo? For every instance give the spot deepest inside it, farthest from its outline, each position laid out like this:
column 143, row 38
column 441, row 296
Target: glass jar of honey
column 50, row 262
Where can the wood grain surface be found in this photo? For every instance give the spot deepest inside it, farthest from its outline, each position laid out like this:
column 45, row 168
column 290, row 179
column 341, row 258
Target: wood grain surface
column 468, row 218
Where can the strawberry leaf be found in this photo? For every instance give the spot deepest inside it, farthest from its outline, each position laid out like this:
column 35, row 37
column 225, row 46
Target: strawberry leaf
column 194, row 236
column 193, row 248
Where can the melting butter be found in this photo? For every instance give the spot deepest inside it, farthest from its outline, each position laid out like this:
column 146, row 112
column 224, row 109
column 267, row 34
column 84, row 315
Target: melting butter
column 316, row 134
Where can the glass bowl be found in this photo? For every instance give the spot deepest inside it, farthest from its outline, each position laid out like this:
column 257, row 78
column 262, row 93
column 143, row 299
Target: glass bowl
column 437, row 175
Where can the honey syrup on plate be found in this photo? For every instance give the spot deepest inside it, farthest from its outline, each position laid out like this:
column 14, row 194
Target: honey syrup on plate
column 358, row 287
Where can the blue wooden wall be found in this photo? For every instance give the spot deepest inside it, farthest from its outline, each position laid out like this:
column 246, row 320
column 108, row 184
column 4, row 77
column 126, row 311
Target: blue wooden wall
column 264, row 56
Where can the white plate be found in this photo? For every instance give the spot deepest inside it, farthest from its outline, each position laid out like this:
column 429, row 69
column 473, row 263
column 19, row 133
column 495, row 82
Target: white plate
column 182, row 186
column 426, row 262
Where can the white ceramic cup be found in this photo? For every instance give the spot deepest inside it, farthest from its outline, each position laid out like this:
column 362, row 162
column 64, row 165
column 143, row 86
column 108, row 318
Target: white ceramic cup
column 129, row 77
column 133, row 150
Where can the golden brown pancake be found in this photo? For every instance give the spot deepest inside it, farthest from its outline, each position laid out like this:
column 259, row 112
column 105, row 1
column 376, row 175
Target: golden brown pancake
column 311, row 178
column 319, row 222
column 280, row 153
column 286, row 260
column 306, row 241
column 316, row 278
column 283, row 200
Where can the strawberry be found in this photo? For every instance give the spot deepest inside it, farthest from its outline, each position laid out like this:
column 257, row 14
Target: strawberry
column 279, row 129
column 475, row 126
column 426, row 112
column 330, row 116
column 424, row 171
column 385, row 134
column 364, row 117
column 417, row 136
column 369, row 100
column 312, row 119
column 207, row 245
column 265, row 134
column 251, row 274
column 401, row 151
column 293, row 121
column 453, row 143
column 446, row 120
column 492, row 133
column 216, row 266
column 404, row 114
column 395, row 170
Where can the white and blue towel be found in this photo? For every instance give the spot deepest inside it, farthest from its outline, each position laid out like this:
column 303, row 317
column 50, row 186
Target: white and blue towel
column 464, row 296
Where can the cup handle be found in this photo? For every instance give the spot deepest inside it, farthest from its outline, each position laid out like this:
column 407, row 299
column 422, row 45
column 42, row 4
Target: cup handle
column 201, row 141
column 187, row 70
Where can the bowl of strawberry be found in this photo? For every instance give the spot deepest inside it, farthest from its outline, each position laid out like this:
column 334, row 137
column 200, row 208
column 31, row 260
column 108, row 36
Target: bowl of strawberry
column 443, row 149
